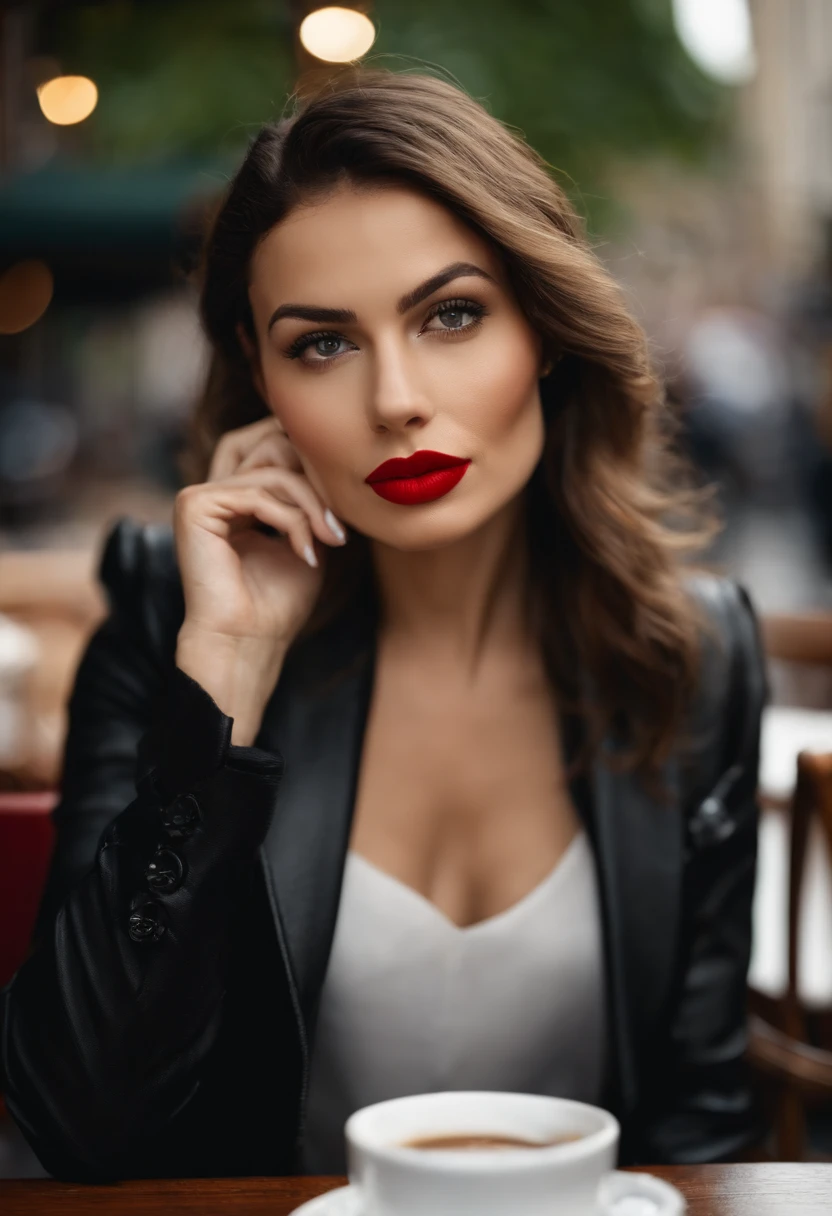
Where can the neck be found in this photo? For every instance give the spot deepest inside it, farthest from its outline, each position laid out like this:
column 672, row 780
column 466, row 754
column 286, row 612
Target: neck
column 462, row 600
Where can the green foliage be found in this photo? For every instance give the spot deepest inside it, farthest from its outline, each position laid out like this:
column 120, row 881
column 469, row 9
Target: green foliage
column 583, row 80
column 179, row 78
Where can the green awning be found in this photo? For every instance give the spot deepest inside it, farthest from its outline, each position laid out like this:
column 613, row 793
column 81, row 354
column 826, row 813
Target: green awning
column 71, row 210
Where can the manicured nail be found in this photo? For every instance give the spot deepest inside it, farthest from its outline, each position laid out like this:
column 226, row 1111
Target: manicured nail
column 334, row 527
column 309, row 554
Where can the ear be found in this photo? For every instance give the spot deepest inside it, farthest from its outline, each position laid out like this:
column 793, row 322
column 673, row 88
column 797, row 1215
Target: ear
column 250, row 351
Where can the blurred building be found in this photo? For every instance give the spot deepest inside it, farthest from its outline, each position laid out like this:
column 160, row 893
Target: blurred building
column 787, row 118
column 728, row 263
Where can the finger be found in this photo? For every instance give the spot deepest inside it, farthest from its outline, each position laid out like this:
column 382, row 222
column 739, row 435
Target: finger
column 234, row 446
column 295, row 489
column 240, row 502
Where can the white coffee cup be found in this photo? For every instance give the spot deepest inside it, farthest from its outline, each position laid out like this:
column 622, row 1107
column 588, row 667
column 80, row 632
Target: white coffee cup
column 559, row 1180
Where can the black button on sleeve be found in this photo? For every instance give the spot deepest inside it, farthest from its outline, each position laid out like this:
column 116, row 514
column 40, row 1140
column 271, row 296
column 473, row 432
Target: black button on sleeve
column 165, row 872
column 180, row 817
column 146, row 924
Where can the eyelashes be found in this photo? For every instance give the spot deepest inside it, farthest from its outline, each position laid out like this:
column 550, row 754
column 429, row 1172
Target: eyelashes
column 300, row 344
column 477, row 311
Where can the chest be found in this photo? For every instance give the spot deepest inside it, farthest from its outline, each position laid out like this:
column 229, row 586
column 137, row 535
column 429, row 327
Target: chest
column 461, row 792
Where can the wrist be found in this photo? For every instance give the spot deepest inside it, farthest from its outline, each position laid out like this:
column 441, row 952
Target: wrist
column 239, row 674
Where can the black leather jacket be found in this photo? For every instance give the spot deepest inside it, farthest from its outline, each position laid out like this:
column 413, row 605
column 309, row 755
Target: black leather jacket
column 163, row 1022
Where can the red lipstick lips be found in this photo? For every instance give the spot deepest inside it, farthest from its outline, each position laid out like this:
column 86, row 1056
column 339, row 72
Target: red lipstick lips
column 419, row 478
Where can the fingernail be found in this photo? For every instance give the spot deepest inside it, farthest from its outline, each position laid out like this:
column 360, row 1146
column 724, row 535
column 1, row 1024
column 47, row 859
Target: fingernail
column 334, row 527
column 309, row 554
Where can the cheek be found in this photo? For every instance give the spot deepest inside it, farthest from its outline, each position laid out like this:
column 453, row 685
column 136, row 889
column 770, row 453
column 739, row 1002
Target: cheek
column 303, row 416
column 319, row 441
column 501, row 394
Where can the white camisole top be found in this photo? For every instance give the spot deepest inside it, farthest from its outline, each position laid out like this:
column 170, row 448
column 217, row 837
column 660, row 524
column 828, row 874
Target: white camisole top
column 412, row 1003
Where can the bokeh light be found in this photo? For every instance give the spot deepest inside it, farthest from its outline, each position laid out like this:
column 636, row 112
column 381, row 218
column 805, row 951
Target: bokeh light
column 25, row 292
column 717, row 34
column 67, row 99
column 337, row 35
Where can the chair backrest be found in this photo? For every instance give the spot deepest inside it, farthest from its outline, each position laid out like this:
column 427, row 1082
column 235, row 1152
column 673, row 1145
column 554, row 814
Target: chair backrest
column 779, row 1046
column 812, row 800
column 26, row 838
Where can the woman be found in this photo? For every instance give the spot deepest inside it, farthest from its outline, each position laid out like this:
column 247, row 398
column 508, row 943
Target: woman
column 438, row 770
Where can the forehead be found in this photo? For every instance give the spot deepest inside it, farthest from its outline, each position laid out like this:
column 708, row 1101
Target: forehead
column 387, row 237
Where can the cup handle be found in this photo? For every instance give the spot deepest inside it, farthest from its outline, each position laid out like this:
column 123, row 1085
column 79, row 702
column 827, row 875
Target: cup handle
column 625, row 1194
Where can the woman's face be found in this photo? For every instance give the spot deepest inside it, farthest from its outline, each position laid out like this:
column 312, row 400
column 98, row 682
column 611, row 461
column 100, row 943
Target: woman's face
column 453, row 369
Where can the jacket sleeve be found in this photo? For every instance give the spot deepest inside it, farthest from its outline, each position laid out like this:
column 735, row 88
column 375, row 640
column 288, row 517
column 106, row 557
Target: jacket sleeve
column 702, row 1106
column 105, row 1027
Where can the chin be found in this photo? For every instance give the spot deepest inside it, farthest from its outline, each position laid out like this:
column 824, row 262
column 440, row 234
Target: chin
column 415, row 535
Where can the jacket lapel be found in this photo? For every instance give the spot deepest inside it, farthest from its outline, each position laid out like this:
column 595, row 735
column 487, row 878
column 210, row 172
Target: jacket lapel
column 639, row 854
column 319, row 732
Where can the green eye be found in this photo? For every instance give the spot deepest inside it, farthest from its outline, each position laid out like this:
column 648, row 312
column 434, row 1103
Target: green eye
column 301, row 343
column 458, row 309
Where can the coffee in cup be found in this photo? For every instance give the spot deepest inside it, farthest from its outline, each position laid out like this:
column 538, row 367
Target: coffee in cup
column 472, row 1141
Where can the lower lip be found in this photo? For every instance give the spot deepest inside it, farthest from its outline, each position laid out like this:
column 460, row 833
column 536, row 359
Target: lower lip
column 408, row 491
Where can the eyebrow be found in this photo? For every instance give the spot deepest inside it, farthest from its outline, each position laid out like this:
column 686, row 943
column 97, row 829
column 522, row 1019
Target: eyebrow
column 344, row 316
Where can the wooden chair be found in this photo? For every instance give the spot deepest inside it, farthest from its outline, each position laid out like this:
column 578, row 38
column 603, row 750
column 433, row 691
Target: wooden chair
column 796, row 1071
column 798, row 718
column 790, row 1033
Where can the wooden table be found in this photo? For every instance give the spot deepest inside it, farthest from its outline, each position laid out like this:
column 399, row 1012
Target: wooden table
column 711, row 1190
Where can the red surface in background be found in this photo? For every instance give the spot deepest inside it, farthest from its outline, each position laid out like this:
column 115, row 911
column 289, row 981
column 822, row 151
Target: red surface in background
column 26, row 838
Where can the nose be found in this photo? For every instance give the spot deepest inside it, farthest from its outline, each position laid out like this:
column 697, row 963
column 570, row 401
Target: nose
column 397, row 398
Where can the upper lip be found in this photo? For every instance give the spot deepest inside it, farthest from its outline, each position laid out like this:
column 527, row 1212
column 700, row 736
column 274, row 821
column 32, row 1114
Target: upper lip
column 411, row 466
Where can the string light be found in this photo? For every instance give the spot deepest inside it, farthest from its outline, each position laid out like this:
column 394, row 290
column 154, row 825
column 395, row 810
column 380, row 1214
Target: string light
column 337, row 35
column 67, row 99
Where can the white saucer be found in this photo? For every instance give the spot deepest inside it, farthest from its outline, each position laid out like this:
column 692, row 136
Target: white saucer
column 343, row 1201
column 625, row 1194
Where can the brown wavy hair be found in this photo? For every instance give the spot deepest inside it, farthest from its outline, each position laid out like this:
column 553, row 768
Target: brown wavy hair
column 612, row 505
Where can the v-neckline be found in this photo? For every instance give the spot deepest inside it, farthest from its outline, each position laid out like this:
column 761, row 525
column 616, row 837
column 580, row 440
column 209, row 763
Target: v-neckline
column 563, row 863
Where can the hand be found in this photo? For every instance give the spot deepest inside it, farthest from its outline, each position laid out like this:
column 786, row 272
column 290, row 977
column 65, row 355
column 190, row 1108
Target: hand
column 247, row 593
